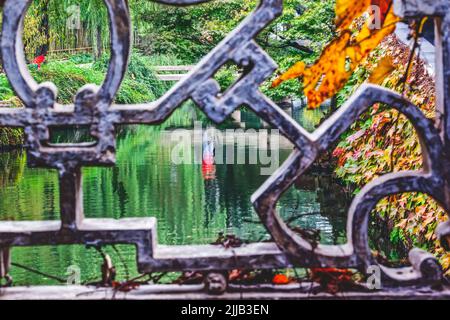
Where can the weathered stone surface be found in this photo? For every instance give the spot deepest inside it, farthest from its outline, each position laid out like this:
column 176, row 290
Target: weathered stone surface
column 197, row 292
column 420, row 8
column 94, row 107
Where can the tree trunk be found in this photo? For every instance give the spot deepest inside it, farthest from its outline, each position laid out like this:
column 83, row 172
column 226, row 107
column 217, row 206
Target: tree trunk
column 45, row 28
column 99, row 49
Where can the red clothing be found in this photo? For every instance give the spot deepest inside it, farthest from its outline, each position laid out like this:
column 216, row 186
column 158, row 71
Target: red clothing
column 39, row 60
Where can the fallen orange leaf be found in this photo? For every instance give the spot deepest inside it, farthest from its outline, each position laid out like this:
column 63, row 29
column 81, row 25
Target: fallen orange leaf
column 280, row 279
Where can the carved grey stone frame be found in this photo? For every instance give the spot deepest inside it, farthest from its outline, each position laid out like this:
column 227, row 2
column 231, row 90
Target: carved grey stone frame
column 94, row 106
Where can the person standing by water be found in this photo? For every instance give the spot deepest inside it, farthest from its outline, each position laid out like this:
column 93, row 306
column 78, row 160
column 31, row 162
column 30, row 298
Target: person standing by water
column 208, row 154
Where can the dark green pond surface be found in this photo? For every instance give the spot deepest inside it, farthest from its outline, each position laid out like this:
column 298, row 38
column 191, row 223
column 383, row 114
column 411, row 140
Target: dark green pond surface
column 191, row 207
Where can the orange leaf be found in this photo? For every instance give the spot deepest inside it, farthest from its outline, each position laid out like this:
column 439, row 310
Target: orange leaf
column 280, row 279
column 348, row 10
column 329, row 74
column 367, row 39
column 295, row 71
column 384, row 6
column 340, row 57
column 383, row 70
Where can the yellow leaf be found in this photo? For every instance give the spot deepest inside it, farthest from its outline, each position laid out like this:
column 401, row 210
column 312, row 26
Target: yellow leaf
column 348, row 10
column 340, row 57
column 385, row 68
column 329, row 74
column 368, row 38
column 295, row 71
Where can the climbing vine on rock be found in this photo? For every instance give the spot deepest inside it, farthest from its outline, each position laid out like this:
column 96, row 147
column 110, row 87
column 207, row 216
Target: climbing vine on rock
column 384, row 141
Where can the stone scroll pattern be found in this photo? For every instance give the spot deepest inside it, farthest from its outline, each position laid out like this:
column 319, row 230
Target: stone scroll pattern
column 94, row 107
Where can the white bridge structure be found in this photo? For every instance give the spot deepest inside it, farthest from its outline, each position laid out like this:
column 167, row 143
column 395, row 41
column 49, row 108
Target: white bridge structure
column 172, row 73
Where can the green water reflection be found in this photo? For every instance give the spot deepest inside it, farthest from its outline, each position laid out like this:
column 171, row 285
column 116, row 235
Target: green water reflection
column 145, row 183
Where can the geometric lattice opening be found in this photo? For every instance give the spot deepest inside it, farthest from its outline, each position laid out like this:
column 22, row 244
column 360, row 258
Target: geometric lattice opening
column 72, row 135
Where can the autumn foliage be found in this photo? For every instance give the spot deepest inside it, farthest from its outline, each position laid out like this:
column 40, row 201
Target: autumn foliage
column 344, row 54
column 384, row 141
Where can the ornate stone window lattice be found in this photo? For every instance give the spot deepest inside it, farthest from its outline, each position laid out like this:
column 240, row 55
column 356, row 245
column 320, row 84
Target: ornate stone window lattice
column 94, row 107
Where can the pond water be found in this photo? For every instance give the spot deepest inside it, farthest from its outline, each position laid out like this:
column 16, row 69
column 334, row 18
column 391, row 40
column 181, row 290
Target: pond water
column 191, row 203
